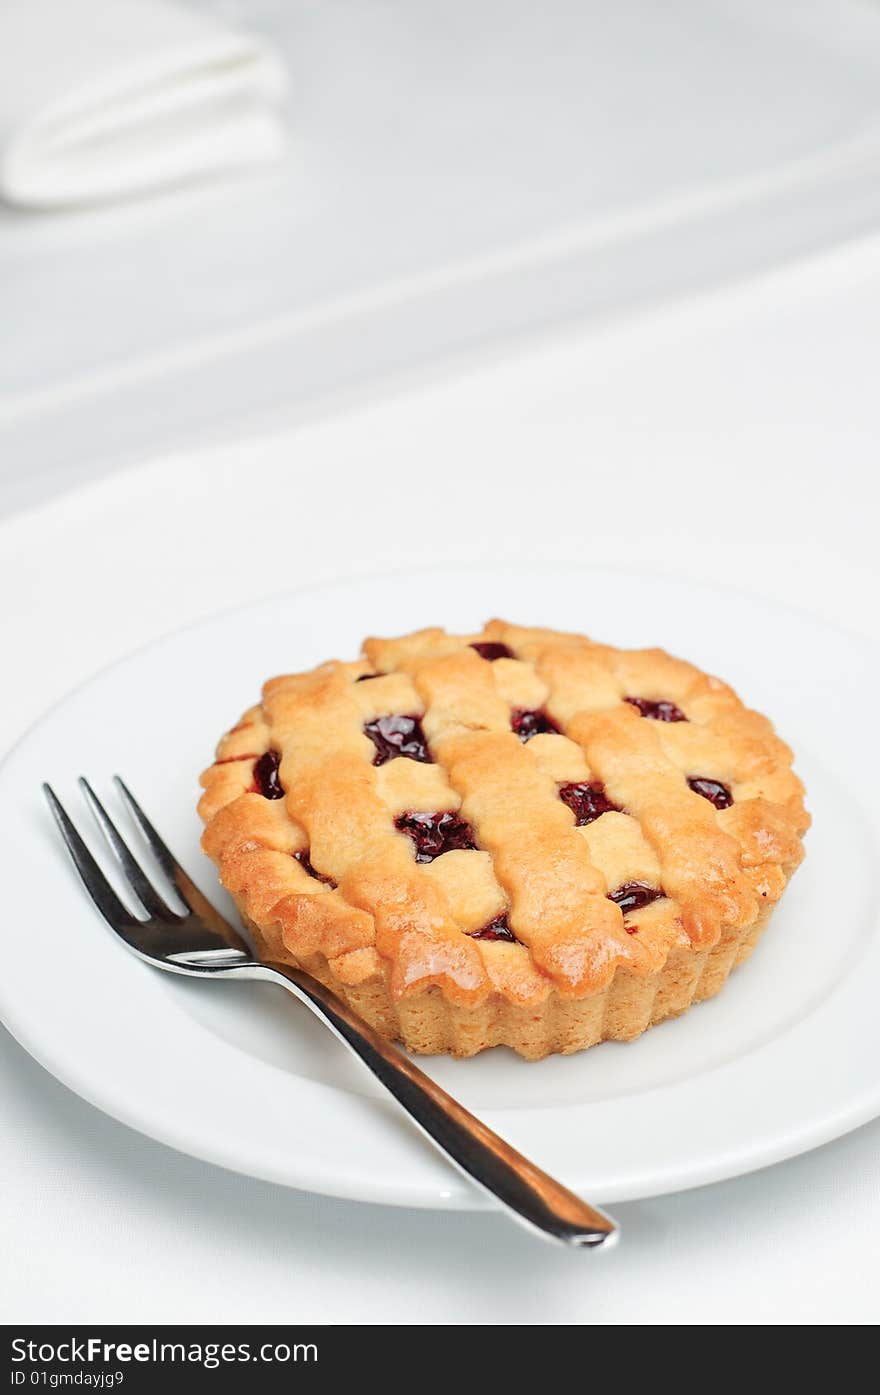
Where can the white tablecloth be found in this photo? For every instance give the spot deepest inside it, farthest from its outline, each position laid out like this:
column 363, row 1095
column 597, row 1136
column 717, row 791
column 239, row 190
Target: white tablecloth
column 734, row 441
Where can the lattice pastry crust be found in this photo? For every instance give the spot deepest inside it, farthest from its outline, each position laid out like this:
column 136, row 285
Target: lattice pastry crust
column 516, row 837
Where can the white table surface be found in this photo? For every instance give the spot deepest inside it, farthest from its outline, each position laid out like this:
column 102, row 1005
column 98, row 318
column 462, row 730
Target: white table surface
column 732, row 439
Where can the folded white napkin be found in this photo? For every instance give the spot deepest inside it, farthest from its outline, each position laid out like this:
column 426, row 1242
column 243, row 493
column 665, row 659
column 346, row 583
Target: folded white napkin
column 104, row 98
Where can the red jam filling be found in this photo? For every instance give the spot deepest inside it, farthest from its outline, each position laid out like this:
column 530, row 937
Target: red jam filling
column 634, row 896
column 397, row 735
column 527, row 724
column 303, row 859
column 266, row 781
column 488, row 649
column 661, row 711
column 713, row 790
column 497, row 929
column 587, row 802
column 435, row 834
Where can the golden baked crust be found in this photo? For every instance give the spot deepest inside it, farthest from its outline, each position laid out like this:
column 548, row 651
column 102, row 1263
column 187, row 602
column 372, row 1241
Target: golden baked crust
column 600, row 833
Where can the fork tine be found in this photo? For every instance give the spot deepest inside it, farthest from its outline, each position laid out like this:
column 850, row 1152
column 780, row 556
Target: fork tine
column 182, row 882
column 117, row 915
column 143, row 888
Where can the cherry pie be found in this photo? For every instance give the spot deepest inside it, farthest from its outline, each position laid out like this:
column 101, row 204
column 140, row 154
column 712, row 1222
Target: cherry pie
column 516, row 837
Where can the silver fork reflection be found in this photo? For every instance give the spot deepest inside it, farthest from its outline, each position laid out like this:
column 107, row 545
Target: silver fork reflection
column 200, row 941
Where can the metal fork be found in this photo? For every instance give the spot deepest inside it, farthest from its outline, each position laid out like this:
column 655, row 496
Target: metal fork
column 201, row 942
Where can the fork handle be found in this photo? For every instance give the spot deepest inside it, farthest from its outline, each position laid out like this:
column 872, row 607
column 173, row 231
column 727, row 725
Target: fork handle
column 532, row 1197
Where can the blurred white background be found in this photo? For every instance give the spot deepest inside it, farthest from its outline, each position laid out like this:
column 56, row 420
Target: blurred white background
column 455, row 175
column 563, row 281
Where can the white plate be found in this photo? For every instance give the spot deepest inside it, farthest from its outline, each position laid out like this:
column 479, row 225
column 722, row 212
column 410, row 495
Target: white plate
column 786, row 1058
